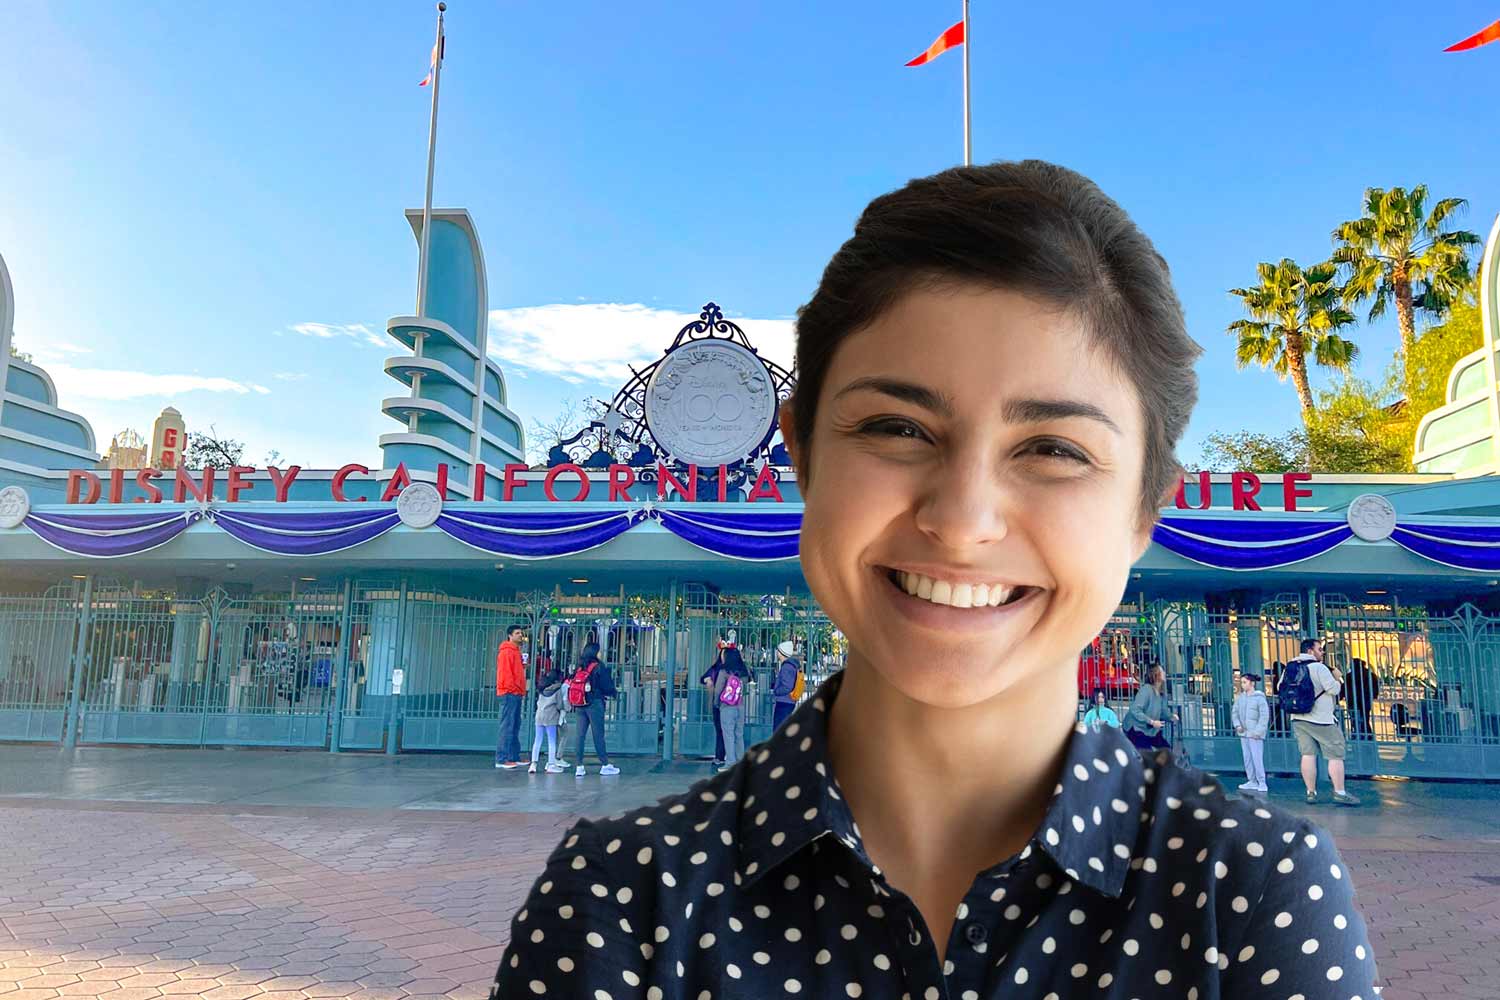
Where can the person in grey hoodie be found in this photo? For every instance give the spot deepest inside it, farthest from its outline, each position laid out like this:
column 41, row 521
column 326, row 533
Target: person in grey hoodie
column 1251, row 717
column 549, row 710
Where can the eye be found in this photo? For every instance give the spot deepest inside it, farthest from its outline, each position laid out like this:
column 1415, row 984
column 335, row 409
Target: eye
column 893, row 427
column 1051, row 448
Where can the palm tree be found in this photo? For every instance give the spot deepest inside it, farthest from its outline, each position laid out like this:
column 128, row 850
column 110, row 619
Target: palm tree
column 1399, row 250
column 1295, row 315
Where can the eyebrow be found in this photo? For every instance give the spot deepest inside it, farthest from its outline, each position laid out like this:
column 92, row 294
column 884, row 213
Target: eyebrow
column 1016, row 411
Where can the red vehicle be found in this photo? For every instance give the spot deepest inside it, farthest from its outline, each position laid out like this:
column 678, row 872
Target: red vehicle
column 1105, row 663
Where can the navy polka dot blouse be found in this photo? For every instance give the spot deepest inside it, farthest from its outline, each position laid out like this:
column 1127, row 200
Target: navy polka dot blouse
column 1143, row 881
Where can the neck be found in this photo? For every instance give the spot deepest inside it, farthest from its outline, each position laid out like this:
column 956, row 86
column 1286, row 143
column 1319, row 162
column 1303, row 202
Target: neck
column 937, row 788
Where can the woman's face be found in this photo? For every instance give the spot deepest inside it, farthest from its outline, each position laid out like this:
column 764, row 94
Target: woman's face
column 973, row 446
column 1099, row 698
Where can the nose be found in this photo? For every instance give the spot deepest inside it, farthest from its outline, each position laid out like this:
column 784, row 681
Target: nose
column 963, row 509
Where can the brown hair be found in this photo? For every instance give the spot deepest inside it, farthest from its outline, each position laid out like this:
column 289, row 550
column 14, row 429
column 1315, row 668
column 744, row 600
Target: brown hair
column 1031, row 227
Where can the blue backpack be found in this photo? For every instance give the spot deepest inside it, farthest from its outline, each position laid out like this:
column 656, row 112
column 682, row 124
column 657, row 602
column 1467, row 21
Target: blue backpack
column 1296, row 692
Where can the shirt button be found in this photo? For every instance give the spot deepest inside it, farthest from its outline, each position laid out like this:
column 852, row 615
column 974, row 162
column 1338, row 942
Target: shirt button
column 977, row 934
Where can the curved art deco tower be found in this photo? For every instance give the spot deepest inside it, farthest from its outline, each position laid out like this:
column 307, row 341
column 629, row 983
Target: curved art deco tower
column 35, row 435
column 455, row 409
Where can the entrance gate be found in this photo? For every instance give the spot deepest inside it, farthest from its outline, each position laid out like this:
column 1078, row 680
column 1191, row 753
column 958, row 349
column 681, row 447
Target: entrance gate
column 37, row 638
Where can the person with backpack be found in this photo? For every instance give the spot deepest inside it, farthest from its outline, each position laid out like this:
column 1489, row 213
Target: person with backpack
column 510, row 687
column 550, row 693
column 588, row 688
column 730, row 691
column 1251, row 716
column 790, row 682
column 1308, row 691
column 710, row 681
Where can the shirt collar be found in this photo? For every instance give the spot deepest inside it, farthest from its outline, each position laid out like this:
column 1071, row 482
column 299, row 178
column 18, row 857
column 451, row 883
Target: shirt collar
column 791, row 799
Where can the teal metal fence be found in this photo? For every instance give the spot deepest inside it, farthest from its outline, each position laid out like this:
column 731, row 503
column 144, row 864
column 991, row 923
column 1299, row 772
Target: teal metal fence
column 386, row 664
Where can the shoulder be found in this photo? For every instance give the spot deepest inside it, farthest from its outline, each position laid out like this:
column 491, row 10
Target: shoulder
column 1246, row 853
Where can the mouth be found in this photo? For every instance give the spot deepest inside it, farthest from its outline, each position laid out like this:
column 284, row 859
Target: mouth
column 957, row 594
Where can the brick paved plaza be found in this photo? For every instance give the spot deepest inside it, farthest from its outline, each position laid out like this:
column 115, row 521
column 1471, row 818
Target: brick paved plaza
column 135, row 874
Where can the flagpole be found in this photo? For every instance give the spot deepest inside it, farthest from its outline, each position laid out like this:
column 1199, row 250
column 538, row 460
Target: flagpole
column 437, row 73
column 967, row 43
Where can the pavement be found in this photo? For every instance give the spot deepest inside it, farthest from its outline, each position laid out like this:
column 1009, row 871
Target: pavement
column 132, row 874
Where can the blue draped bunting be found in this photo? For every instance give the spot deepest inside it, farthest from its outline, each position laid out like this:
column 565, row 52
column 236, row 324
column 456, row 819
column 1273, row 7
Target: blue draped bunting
column 315, row 533
column 1462, row 547
column 109, row 536
column 535, row 536
column 1219, row 542
column 751, row 537
column 1225, row 543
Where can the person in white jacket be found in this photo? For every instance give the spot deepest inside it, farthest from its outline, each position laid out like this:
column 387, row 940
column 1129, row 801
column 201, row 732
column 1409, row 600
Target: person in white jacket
column 1251, row 716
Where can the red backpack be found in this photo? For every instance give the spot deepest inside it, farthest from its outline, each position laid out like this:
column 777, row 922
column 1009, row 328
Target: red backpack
column 578, row 695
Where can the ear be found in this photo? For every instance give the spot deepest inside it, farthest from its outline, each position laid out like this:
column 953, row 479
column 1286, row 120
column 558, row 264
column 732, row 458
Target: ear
column 786, row 420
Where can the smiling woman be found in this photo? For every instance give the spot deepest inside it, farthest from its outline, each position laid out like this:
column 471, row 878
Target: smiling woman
column 994, row 374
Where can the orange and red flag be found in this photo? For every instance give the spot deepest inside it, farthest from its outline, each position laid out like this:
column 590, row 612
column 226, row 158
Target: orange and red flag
column 950, row 39
column 1490, row 34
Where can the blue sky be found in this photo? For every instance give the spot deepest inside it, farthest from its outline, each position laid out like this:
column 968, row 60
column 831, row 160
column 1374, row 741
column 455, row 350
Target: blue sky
column 202, row 204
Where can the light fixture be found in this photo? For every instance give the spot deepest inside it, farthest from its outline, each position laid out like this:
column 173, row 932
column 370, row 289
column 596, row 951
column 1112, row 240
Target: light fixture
column 499, row 565
column 230, row 566
column 307, row 579
column 580, row 579
column 80, row 576
column 1375, row 592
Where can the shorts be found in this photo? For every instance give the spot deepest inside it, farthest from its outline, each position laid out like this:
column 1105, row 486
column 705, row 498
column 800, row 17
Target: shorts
column 1313, row 738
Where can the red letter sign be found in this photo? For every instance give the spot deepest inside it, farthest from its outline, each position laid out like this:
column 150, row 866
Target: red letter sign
column 400, row 480
column 236, row 484
column 621, row 478
column 557, row 470
column 1242, row 489
column 1205, row 493
column 689, row 492
column 143, row 480
column 284, row 483
column 765, row 486
column 510, row 483
column 1290, row 494
column 186, row 484
column 77, row 478
column 343, row 474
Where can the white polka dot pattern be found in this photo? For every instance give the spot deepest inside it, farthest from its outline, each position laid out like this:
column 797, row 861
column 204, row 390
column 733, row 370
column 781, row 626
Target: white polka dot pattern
column 756, row 884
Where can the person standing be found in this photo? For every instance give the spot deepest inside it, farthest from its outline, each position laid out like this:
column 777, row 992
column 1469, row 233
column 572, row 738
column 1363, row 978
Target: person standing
column 1251, row 717
column 549, row 712
column 710, row 682
column 510, row 686
column 1309, row 689
column 730, row 691
column 1100, row 714
column 786, row 683
column 1147, row 718
column 1363, row 689
column 588, row 688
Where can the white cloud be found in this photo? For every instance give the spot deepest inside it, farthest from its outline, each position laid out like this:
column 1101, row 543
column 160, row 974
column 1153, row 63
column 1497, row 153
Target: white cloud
column 599, row 341
column 358, row 332
column 107, row 383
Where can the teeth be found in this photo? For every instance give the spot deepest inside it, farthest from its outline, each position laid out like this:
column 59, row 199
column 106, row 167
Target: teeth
column 957, row 595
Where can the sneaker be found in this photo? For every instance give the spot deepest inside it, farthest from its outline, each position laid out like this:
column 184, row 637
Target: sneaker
column 1249, row 786
column 532, row 768
column 723, row 768
column 1345, row 799
column 1312, row 798
column 555, row 768
column 510, row 765
column 609, row 769
column 1262, row 788
column 562, row 763
column 580, row 772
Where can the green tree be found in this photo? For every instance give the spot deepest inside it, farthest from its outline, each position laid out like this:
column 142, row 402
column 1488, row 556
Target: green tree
column 1399, row 250
column 1245, row 450
column 1295, row 315
column 1435, row 353
column 18, row 355
column 1359, row 426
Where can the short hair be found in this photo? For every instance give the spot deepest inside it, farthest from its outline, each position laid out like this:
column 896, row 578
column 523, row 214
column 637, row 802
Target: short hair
column 1027, row 226
column 1309, row 643
column 512, row 630
column 1251, row 676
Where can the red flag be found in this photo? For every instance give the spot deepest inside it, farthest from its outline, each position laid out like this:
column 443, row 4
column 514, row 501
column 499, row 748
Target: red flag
column 1490, row 34
column 950, row 39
